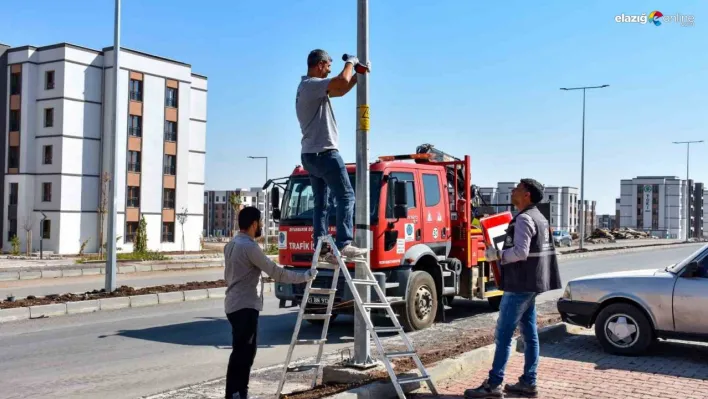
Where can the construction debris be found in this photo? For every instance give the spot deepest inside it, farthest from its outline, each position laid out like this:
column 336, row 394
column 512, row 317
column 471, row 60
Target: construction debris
column 600, row 236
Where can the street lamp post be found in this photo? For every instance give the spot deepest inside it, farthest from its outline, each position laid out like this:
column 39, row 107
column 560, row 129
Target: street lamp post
column 688, row 189
column 267, row 204
column 112, row 164
column 582, row 163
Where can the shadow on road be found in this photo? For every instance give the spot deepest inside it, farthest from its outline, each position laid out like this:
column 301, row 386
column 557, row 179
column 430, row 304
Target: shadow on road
column 670, row 358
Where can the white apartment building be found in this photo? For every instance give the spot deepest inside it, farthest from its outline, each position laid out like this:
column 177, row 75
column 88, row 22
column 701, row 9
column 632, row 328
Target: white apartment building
column 656, row 204
column 218, row 221
column 564, row 208
column 59, row 113
column 705, row 214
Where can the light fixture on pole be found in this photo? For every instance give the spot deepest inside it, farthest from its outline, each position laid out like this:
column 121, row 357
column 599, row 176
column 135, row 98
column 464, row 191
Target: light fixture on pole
column 266, row 219
column 112, row 163
column 582, row 162
column 688, row 189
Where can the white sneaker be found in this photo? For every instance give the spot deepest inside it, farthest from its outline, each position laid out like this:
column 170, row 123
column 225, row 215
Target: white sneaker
column 351, row 251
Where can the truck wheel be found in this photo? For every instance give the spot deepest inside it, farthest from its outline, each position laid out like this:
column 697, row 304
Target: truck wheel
column 321, row 322
column 494, row 302
column 421, row 305
column 623, row 329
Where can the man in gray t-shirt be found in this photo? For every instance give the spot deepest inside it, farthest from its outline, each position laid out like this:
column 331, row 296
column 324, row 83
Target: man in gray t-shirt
column 320, row 147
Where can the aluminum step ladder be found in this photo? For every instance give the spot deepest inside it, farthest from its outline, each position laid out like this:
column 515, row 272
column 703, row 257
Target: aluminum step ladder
column 363, row 309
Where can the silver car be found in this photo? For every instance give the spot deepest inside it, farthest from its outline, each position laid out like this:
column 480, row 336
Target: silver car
column 630, row 310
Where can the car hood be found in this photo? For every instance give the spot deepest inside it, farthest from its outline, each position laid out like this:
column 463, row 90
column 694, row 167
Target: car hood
column 625, row 274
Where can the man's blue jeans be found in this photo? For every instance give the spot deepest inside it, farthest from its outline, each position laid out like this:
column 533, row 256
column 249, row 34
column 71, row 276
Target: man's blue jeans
column 330, row 183
column 517, row 308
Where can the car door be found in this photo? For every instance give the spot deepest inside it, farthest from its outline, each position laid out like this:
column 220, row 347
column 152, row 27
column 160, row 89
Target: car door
column 406, row 229
column 691, row 300
column 434, row 219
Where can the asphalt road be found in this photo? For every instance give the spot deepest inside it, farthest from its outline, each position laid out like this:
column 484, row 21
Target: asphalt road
column 135, row 352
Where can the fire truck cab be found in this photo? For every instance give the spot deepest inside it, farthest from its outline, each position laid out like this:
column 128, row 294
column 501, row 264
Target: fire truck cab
column 425, row 247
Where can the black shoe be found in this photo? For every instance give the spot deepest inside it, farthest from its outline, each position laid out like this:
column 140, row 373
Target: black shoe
column 484, row 391
column 522, row 388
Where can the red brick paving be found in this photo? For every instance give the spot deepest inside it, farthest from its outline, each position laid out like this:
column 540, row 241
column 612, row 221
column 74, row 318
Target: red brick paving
column 577, row 367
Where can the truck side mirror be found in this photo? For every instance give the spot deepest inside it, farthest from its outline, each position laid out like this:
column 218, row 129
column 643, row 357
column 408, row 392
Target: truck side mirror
column 275, row 202
column 400, row 195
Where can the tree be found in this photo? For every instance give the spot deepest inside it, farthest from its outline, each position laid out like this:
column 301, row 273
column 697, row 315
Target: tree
column 140, row 242
column 29, row 223
column 102, row 210
column 182, row 218
column 235, row 201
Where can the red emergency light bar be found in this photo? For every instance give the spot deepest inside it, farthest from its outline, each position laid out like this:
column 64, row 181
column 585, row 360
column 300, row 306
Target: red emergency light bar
column 404, row 157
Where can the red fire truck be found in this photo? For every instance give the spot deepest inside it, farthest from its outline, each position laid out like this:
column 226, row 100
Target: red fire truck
column 425, row 251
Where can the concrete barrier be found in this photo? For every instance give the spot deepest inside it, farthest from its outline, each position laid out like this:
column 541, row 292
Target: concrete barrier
column 30, row 275
column 139, row 301
column 195, row 295
column 57, row 309
column 114, row 303
column 51, row 273
column 14, row 314
column 71, row 273
column 82, row 307
column 96, row 271
column 9, row 276
column 170, row 297
column 217, row 292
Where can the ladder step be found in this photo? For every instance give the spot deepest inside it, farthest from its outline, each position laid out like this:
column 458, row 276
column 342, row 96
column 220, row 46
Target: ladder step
column 315, row 316
column 322, row 291
column 311, row 341
column 411, row 380
column 376, row 305
column 383, row 330
column 392, row 285
column 392, row 355
column 327, row 266
column 303, row 367
column 365, row 282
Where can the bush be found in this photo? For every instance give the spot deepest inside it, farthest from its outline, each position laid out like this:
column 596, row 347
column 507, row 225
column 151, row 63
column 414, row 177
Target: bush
column 140, row 244
column 146, row 255
column 15, row 245
column 272, row 250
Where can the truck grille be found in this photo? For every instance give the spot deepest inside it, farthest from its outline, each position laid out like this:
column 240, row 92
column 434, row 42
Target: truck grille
column 320, row 282
column 307, row 258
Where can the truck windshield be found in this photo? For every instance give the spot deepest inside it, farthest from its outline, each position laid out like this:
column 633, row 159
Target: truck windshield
column 298, row 202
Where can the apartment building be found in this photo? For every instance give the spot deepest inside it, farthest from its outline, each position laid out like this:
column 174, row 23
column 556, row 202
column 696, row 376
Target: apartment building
column 605, row 222
column 219, row 216
column 661, row 204
column 705, row 214
column 60, row 103
column 564, row 208
column 590, row 215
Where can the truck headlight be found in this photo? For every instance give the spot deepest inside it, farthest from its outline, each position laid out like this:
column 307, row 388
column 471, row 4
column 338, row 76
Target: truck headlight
column 566, row 293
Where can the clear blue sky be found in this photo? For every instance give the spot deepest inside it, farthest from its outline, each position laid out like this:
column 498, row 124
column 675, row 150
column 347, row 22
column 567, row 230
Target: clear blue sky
column 470, row 77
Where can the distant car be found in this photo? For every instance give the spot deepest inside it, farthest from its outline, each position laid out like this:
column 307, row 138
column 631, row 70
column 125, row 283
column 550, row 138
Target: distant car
column 562, row 238
column 630, row 310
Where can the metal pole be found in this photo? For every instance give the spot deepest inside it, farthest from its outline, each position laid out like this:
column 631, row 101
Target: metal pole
column 267, row 209
column 362, row 346
column 582, row 182
column 112, row 165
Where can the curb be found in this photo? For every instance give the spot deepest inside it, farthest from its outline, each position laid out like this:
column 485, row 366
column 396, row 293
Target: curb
column 594, row 253
column 124, row 302
column 467, row 362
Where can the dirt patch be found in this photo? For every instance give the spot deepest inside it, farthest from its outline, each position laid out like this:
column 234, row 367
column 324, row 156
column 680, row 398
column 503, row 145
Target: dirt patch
column 469, row 340
column 122, row 291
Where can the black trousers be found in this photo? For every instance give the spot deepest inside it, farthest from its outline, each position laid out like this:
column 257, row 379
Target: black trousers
column 244, row 329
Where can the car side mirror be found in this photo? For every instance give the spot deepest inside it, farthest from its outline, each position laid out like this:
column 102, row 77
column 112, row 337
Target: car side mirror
column 691, row 269
column 400, row 195
column 275, row 202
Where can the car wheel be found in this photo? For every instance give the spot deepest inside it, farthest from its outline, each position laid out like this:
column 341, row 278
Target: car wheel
column 623, row 329
column 421, row 305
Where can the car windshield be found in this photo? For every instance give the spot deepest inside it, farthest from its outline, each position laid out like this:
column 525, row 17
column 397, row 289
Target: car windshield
column 298, row 202
column 675, row 268
column 557, row 233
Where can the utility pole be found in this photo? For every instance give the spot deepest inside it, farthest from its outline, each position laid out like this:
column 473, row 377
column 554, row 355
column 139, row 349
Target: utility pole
column 688, row 189
column 266, row 219
column 582, row 163
column 362, row 346
column 112, row 164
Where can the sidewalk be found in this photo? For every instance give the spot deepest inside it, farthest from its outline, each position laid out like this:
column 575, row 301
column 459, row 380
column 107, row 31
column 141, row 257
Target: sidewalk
column 578, row 368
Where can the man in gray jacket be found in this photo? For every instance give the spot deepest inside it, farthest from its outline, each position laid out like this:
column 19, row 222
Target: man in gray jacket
column 244, row 263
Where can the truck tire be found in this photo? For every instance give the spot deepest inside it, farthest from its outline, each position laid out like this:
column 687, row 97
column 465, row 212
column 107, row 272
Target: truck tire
column 494, row 302
column 421, row 306
column 623, row 329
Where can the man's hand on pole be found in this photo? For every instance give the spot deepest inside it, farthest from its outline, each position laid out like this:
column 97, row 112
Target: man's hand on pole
column 358, row 66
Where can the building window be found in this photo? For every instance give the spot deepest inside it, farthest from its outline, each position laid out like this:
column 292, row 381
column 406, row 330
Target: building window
column 134, row 197
column 410, row 182
column 46, row 229
column 134, row 161
column 47, row 155
column 15, row 83
column 170, row 165
column 168, row 198
column 46, row 192
column 171, row 97
column 550, row 197
column 130, row 229
column 135, row 124
column 431, row 189
column 170, row 131
column 15, row 120
column 48, row 117
column 13, row 161
column 136, row 90
column 12, row 230
column 49, row 80
column 13, row 193
column 168, row 232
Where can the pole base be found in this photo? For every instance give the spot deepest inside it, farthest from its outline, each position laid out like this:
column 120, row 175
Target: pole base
column 362, row 366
